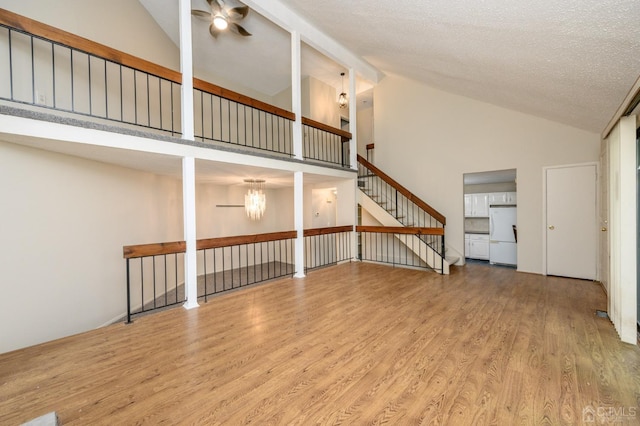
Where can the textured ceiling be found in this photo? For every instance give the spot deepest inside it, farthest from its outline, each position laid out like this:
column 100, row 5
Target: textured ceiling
column 570, row 61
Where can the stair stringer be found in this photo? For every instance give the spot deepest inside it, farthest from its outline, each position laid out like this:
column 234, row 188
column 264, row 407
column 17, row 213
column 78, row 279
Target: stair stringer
column 428, row 256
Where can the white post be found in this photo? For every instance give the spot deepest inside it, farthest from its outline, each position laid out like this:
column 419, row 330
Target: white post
column 189, row 211
column 296, row 94
column 188, row 163
column 298, row 218
column 353, row 145
column 186, row 67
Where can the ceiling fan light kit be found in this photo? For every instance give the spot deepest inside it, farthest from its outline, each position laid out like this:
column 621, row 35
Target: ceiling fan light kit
column 220, row 22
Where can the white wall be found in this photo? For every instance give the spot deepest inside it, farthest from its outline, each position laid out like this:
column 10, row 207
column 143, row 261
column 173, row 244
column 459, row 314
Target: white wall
column 215, row 221
column 364, row 125
column 427, row 139
column 64, row 222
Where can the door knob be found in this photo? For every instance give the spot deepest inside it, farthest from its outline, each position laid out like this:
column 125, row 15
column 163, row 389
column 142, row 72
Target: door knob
column 552, row 227
column 604, row 229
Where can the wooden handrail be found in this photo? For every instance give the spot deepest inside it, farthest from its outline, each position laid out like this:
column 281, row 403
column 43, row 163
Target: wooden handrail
column 241, row 99
column 57, row 35
column 325, row 231
column 404, row 191
column 370, row 146
column 48, row 32
column 413, row 230
column 155, row 249
column 210, row 243
column 321, row 126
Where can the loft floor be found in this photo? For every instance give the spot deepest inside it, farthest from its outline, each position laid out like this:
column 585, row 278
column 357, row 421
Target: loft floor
column 352, row 344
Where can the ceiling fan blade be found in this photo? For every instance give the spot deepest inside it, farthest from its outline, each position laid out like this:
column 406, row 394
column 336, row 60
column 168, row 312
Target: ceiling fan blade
column 201, row 14
column 238, row 12
column 215, row 6
column 214, row 31
column 238, row 29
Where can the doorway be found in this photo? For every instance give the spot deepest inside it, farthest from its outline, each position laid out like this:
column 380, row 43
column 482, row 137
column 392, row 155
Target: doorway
column 490, row 222
column 570, row 221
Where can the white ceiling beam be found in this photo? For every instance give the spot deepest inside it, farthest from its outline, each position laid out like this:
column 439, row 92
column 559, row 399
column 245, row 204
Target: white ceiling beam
column 284, row 17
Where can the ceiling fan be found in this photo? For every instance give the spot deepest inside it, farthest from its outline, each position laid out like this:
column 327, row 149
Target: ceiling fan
column 223, row 17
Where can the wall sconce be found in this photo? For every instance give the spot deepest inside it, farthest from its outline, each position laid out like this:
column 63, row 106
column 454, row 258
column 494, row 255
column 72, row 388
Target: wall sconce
column 255, row 200
column 343, row 102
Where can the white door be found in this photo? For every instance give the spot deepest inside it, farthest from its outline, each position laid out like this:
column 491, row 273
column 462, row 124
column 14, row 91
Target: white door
column 571, row 221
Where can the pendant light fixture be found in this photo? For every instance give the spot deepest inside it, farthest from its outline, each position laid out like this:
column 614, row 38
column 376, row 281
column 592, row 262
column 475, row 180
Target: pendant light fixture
column 343, row 102
column 255, row 200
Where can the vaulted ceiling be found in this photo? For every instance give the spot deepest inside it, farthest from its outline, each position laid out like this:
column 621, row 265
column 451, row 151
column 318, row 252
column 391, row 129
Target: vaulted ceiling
column 571, row 61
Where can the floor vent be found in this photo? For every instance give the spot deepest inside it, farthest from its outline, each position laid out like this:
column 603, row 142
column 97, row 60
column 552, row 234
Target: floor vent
column 602, row 314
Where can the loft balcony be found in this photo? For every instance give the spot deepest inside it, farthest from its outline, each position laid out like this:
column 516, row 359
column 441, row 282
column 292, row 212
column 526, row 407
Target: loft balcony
column 52, row 75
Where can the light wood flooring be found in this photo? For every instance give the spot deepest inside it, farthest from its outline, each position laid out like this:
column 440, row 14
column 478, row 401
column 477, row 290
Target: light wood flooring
column 352, row 344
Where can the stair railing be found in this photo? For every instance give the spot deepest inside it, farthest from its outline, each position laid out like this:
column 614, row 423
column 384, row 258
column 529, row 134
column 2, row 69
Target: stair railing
column 402, row 204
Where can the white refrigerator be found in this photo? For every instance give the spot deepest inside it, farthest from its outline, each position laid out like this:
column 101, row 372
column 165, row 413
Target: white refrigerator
column 502, row 235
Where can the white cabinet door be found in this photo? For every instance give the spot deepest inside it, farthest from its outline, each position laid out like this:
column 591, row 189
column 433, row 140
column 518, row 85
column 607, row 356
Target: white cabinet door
column 481, row 205
column 468, row 205
column 479, row 247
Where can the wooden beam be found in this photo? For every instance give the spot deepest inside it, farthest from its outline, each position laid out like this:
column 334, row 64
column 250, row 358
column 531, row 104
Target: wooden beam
column 326, row 128
column 325, row 231
column 244, row 239
column 413, row 230
column 155, row 249
column 242, row 99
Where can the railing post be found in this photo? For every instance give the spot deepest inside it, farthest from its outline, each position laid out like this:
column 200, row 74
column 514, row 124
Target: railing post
column 298, row 218
column 443, row 253
column 128, row 294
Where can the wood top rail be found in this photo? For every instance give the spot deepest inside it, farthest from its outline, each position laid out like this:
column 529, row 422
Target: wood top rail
column 155, row 249
column 57, row 35
column 48, row 32
column 413, row 230
column 325, row 231
column 211, row 243
column 242, row 99
column 321, row 126
column 404, row 191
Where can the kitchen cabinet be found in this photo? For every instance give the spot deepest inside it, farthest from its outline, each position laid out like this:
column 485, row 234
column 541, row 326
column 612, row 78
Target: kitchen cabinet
column 476, row 205
column 502, row 198
column 478, row 246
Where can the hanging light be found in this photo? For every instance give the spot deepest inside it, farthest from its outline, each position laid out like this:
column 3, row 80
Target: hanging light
column 343, row 102
column 255, row 200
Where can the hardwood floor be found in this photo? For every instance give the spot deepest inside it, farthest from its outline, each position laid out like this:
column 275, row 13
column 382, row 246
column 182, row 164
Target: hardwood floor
column 352, row 344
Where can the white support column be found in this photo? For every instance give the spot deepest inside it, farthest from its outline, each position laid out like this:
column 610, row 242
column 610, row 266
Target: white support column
column 353, row 112
column 298, row 218
column 189, row 212
column 296, row 94
column 188, row 163
column 186, row 67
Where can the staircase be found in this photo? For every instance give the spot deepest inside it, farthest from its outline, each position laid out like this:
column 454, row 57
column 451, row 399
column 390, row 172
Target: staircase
column 393, row 205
